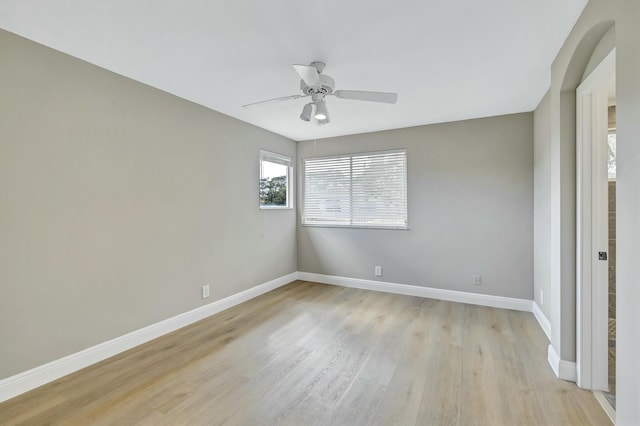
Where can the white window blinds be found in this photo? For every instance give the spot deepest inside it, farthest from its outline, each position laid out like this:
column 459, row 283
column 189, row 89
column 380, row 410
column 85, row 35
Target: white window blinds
column 359, row 190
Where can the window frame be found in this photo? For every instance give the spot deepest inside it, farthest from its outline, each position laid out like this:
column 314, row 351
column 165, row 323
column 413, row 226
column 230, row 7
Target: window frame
column 276, row 158
column 352, row 226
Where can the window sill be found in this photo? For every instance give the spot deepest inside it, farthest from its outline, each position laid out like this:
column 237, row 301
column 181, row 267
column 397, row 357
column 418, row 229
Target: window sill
column 275, row 208
column 379, row 227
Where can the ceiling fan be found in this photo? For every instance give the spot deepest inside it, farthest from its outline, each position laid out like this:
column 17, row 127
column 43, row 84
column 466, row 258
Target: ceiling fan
column 317, row 86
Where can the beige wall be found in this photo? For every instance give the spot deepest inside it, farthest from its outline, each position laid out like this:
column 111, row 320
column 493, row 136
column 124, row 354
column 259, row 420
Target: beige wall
column 541, row 214
column 117, row 203
column 470, row 197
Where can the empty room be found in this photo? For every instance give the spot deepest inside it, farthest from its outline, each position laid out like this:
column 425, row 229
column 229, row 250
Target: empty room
column 332, row 213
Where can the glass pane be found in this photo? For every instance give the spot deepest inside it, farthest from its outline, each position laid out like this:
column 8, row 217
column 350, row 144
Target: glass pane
column 612, row 155
column 273, row 184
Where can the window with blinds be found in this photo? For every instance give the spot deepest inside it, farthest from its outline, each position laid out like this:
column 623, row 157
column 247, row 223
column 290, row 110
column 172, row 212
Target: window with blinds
column 357, row 190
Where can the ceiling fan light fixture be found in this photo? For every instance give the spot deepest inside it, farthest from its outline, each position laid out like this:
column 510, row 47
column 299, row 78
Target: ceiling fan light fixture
column 323, row 122
column 321, row 111
column 306, row 112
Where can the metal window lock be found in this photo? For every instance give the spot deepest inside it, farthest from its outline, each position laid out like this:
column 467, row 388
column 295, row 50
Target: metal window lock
column 602, row 255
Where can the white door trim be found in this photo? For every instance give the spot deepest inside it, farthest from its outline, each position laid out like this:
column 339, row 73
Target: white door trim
column 592, row 227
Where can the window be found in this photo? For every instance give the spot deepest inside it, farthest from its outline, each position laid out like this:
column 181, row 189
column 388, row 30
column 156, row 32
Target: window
column 611, row 143
column 356, row 190
column 275, row 173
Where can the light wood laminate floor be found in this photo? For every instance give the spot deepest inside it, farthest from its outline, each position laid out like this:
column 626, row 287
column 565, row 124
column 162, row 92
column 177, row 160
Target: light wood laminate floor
column 308, row 354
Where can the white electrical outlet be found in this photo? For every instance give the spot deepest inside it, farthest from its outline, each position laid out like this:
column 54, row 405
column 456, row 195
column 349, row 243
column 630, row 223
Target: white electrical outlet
column 541, row 297
column 477, row 279
column 205, row 291
column 378, row 271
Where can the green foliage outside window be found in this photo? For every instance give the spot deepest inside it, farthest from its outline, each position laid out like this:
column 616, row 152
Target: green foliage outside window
column 273, row 191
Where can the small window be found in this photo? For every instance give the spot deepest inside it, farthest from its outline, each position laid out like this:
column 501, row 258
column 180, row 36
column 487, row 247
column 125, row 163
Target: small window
column 275, row 174
column 359, row 190
column 611, row 143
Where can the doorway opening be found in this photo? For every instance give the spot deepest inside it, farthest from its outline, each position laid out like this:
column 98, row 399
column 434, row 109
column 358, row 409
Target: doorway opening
column 595, row 271
column 610, row 395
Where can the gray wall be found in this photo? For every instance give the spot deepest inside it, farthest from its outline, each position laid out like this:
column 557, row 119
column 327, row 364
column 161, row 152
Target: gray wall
column 604, row 47
column 117, row 203
column 567, row 71
column 470, row 189
column 541, row 198
column 628, row 217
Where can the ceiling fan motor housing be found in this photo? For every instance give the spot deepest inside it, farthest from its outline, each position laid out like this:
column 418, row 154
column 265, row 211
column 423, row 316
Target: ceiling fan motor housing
column 325, row 89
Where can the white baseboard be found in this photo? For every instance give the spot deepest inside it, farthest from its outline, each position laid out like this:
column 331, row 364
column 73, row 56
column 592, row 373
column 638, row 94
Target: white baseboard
column 565, row 370
column 428, row 292
column 606, row 406
column 38, row 376
column 542, row 320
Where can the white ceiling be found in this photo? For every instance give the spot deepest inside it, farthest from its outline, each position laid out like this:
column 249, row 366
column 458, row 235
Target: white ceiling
column 447, row 59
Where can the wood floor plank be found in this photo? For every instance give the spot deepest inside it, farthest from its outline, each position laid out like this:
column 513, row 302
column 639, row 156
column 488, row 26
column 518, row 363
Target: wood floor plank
column 359, row 404
column 403, row 396
column 309, row 353
column 442, row 395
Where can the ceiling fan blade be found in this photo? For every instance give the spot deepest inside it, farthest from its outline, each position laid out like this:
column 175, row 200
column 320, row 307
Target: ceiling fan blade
column 309, row 74
column 284, row 98
column 386, row 97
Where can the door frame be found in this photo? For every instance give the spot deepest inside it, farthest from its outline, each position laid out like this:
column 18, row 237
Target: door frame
column 592, row 226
